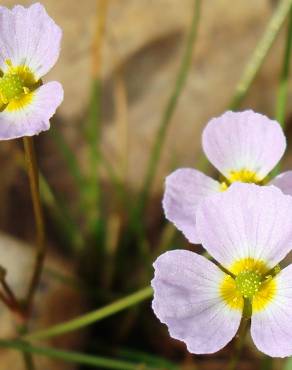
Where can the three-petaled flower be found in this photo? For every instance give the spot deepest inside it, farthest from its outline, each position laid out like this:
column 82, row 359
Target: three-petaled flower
column 244, row 147
column 248, row 230
column 29, row 47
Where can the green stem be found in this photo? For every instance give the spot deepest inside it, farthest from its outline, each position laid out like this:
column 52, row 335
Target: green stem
column 239, row 344
column 28, row 361
column 33, row 174
column 284, row 77
column 282, row 96
column 260, row 53
column 85, row 320
column 169, row 110
column 255, row 62
column 73, row 357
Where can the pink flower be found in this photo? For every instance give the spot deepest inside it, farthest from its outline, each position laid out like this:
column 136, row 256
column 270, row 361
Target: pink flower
column 244, row 147
column 29, row 48
column 248, row 230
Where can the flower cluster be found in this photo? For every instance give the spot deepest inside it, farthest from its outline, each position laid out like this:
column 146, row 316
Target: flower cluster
column 245, row 226
column 29, row 48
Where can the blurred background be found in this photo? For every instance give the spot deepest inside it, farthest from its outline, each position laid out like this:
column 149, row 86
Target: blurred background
column 119, row 66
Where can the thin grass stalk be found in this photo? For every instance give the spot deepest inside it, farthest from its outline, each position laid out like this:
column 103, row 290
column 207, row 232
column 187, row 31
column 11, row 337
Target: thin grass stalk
column 58, row 211
column 74, row 357
column 281, row 103
column 28, row 361
column 94, row 121
column 92, row 317
column 282, row 96
column 257, row 59
column 168, row 113
column 122, row 123
column 33, row 174
column 255, row 62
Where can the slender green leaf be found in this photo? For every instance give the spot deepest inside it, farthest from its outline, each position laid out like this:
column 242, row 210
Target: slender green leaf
column 74, row 357
column 168, row 113
column 92, row 317
column 281, row 103
column 260, row 52
column 284, row 77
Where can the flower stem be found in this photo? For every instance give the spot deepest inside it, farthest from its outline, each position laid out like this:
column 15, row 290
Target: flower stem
column 9, row 299
column 94, row 316
column 239, row 344
column 260, row 53
column 33, row 174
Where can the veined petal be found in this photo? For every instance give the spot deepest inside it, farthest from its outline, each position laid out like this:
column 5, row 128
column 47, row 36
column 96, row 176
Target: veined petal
column 187, row 299
column 244, row 142
column 283, row 182
column 271, row 327
column 34, row 116
column 28, row 36
column 184, row 189
column 246, row 223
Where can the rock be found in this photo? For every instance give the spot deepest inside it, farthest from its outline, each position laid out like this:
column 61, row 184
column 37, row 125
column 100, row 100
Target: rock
column 55, row 302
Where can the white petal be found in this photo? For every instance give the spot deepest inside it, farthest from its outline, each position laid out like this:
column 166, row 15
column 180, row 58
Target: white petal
column 244, row 140
column 271, row 328
column 246, row 221
column 28, row 36
column 283, row 182
column 34, row 117
column 184, row 189
column 187, row 299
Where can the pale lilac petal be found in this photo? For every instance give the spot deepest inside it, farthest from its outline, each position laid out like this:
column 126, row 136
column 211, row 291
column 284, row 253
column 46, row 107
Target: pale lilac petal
column 184, row 189
column 28, row 36
column 187, row 300
column 283, row 182
column 246, row 221
column 271, row 328
column 244, row 140
column 34, row 117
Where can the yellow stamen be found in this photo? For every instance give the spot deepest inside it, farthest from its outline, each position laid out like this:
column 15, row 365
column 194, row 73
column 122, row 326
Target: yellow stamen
column 251, row 281
column 17, row 87
column 230, row 294
column 248, row 264
column 243, row 175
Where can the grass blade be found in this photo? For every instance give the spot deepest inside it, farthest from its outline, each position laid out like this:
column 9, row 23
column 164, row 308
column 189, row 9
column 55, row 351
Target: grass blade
column 169, row 110
column 75, row 357
column 94, row 316
column 260, row 53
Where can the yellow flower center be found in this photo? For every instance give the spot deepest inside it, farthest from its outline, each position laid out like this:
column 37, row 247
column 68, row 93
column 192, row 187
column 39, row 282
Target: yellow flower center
column 11, row 87
column 17, row 85
column 243, row 175
column 248, row 283
column 252, row 282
